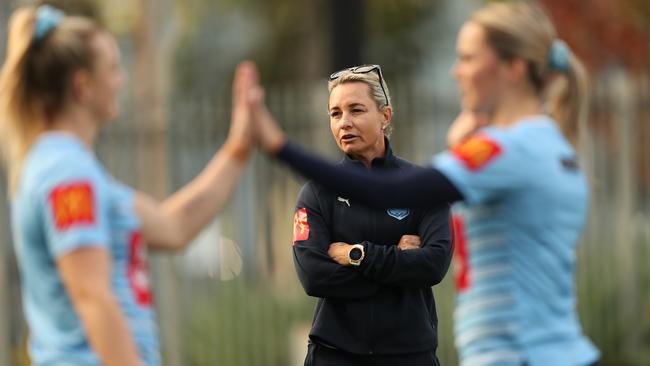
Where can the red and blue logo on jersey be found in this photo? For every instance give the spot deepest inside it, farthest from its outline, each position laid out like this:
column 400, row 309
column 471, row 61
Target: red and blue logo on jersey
column 477, row 151
column 72, row 204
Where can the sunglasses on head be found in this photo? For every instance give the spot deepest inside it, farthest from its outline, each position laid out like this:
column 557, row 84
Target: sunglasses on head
column 363, row 69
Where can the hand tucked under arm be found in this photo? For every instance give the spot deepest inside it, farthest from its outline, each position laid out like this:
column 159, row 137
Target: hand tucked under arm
column 409, row 242
column 409, row 266
column 340, row 253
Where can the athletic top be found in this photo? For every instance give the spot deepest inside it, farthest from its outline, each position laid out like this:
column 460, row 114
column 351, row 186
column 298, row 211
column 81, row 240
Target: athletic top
column 66, row 201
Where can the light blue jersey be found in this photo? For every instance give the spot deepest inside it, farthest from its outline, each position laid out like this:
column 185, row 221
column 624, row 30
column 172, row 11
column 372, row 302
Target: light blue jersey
column 525, row 204
column 66, row 201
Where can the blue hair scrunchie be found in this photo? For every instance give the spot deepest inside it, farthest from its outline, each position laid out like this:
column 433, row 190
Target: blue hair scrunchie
column 559, row 56
column 47, row 18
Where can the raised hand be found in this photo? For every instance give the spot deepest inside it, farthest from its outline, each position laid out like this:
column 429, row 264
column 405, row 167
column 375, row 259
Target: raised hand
column 267, row 131
column 246, row 95
column 464, row 126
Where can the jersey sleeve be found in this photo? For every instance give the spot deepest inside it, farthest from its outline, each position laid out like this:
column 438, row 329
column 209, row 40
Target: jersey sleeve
column 485, row 167
column 74, row 199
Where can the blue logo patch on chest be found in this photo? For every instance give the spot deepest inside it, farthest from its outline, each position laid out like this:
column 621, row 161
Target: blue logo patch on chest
column 398, row 213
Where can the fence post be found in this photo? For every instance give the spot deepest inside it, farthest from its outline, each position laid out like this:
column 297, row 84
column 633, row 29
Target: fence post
column 153, row 54
column 621, row 93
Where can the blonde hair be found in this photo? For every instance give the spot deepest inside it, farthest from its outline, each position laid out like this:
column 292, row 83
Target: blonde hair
column 521, row 29
column 371, row 79
column 35, row 80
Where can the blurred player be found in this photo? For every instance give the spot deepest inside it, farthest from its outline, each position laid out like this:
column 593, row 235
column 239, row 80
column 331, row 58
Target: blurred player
column 80, row 236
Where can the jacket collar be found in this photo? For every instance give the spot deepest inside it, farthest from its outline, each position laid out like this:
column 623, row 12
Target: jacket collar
column 389, row 160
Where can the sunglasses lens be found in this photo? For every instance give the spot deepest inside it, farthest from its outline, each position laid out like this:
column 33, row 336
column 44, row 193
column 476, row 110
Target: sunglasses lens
column 356, row 70
column 365, row 68
column 337, row 74
column 362, row 70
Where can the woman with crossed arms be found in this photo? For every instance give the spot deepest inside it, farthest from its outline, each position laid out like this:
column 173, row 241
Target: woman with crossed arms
column 523, row 195
column 375, row 303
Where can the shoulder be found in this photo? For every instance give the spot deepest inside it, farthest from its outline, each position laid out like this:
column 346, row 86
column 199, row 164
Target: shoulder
column 309, row 188
column 313, row 192
column 530, row 131
column 475, row 153
column 494, row 145
column 540, row 133
column 529, row 140
column 45, row 170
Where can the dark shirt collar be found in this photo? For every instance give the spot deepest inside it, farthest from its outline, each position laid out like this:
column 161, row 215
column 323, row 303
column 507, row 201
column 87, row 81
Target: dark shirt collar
column 387, row 161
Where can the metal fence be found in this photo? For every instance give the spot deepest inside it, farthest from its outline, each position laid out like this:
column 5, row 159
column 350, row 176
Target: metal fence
column 233, row 298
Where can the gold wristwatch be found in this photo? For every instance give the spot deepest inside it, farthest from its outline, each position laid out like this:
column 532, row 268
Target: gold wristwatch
column 356, row 254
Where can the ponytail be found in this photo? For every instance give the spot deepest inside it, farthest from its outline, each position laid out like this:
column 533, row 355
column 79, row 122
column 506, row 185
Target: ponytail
column 20, row 118
column 522, row 29
column 566, row 98
column 44, row 50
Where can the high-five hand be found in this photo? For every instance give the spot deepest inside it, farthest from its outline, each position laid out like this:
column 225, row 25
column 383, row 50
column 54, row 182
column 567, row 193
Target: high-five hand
column 269, row 134
column 246, row 95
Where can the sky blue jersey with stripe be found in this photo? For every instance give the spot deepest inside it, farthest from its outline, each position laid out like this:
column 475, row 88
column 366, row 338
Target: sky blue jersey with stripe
column 525, row 205
column 66, row 201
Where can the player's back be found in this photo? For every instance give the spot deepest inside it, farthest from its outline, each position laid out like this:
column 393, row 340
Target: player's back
column 525, row 206
column 547, row 217
column 67, row 201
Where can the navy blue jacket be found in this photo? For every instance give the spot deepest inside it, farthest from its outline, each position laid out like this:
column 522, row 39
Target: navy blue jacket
column 385, row 305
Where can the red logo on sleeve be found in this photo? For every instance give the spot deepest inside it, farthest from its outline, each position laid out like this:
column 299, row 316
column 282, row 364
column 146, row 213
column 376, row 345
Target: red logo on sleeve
column 138, row 271
column 300, row 225
column 72, row 204
column 461, row 257
column 477, row 151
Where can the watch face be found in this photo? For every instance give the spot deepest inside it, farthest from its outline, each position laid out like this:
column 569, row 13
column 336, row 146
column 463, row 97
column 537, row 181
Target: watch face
column 355, row 254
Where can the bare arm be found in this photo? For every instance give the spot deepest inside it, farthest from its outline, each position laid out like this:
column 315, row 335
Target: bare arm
column 86, row 275
column 174, row 222
column 416, row 187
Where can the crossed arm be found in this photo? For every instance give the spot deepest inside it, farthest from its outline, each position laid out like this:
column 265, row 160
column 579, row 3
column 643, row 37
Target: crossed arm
column 323, row 266
column 416, row 261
